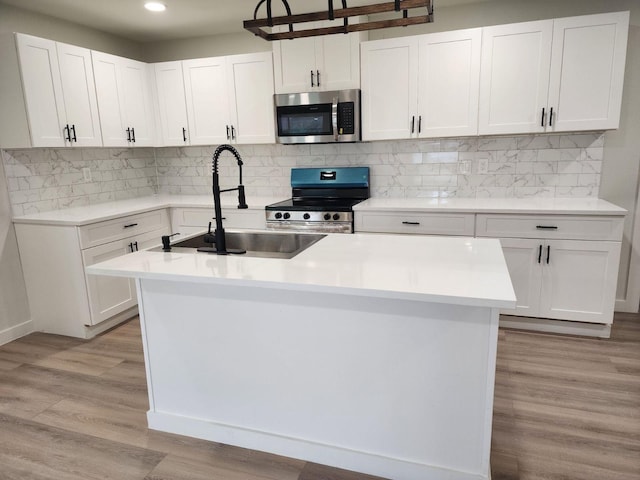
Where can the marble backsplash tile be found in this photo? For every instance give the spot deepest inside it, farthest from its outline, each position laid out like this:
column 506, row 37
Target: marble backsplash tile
column 560, row 165
column 556, row 165
column 42, row 179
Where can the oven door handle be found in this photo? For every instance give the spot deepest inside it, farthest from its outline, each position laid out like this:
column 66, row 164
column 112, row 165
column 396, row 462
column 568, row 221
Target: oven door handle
column 334, row 117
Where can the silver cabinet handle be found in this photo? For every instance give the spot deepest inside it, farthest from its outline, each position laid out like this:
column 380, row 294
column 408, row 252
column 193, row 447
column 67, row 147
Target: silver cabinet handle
column 411, row 223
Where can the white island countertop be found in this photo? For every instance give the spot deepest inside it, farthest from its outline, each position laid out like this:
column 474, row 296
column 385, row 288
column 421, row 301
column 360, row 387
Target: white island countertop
column 85, row 215
column 453, row 270
column 539, row 206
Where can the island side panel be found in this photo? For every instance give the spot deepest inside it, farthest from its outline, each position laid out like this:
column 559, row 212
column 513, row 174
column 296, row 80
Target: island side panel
column 396, row 388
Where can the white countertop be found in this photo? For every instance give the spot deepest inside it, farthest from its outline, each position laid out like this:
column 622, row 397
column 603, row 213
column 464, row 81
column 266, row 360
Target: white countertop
column 107, row 211
column 453, row 270
column 556, row 206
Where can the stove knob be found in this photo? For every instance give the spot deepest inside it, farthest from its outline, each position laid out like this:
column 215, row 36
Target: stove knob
column 306, row 216
column 278, row 215
column 327, row 216
column 336, row 216
column 287, row 216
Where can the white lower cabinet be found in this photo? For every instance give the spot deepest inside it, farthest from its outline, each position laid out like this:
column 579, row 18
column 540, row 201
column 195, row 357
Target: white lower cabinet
column 563, row 279
column 521, row 255
column 109, row 296
column 63, row 299
column 421, row 223
column 579, row 280
column 562, row 267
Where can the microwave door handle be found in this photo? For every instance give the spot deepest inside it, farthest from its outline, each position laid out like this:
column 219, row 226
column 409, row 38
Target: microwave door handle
column 334, row 118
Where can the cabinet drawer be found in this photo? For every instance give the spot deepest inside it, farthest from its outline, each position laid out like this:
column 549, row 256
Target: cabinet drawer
column 567, row 227
column 417, row 223
column 232, row 218
column 111, row 230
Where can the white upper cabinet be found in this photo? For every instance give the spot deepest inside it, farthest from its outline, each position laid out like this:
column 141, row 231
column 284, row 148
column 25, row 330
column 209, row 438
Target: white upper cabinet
column 250, row 84
column 587, row 71
column 79, row 91
column 554, row 75
column 172, row 104
column 230, row 99
column 329, row 62
column 59, row 93
column 515, row 77
column 449, row 83
column 205, row 83
column 389, row 88
column 123, row 87
column 421, row 86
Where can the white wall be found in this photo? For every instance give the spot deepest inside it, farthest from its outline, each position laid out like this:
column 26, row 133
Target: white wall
column 15, row 319
column 202, row 47
column 14, row 19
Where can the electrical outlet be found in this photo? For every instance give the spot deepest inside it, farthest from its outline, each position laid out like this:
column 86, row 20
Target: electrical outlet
column 483, row 166
column 464, row 167
column 86, row 173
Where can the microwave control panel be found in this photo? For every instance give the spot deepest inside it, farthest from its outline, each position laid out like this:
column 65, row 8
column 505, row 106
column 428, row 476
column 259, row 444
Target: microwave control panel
column 346, row 118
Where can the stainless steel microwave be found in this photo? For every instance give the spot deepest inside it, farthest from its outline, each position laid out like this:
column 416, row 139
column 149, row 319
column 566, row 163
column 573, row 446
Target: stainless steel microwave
column 318, row 117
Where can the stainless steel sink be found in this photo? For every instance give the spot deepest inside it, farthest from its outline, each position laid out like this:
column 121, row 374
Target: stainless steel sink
column 257, row 244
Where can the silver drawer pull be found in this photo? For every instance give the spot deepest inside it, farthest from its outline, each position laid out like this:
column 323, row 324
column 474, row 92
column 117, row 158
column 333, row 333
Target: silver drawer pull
column 411, row 223
column 546, row 227
column 131, row 225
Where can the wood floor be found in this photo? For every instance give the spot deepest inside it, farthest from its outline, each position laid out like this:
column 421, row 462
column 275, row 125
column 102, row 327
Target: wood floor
column 566, row 408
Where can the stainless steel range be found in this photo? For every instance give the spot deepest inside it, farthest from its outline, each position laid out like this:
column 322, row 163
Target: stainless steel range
column 323, row 200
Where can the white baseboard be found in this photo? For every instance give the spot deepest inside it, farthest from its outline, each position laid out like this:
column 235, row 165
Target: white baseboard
column 556, row 326
column 13, row 333
column 626, row 306
column 359, row 461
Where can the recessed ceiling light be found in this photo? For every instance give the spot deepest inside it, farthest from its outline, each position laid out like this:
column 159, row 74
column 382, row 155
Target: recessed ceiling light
column 155, row 6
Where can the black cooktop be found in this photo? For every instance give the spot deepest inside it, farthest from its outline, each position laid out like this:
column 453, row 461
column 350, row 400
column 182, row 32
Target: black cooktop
column 316, row 204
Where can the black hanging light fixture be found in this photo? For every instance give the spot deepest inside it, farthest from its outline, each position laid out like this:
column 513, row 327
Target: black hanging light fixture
column 257, row 26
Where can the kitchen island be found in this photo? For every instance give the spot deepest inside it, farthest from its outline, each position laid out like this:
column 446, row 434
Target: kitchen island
column 373, row 353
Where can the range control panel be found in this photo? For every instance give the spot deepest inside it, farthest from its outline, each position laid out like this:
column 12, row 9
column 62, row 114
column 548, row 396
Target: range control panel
column 296, row 216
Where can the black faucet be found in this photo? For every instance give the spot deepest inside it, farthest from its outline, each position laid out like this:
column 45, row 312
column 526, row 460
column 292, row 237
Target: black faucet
column 220, row 240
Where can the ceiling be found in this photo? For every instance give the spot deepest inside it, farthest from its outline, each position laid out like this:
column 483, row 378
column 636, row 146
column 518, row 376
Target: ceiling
column 183, row 18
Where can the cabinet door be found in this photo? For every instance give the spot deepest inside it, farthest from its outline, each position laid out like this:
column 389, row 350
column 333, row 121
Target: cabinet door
column 250, row 89
column 138, row 108
column 110, row 99
column 205, row 82
column 79, row 90
column 579, row 280
column 449, row 83
column 389, row 88
column 42, row 90
column 338, row 59
column 514, row 81
column 587, row 71
column 172, row 103
column 524, row 258
column 108, row 296
column 294, row 61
